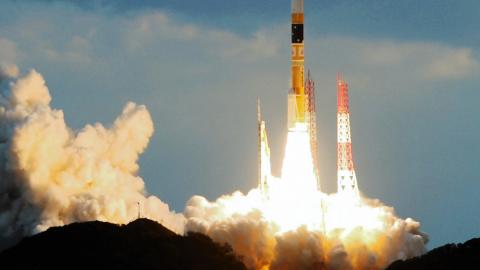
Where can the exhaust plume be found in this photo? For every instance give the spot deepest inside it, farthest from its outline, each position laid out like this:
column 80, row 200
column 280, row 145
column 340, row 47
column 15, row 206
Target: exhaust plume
column 293, row 225
column 51, row 175
column 373, row 242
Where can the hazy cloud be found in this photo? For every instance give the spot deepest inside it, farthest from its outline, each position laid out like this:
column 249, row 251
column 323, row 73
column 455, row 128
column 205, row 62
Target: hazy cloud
column 417, row 60
column 452, row 63
column 76, row 51
column 8, row 51
column 151, row 29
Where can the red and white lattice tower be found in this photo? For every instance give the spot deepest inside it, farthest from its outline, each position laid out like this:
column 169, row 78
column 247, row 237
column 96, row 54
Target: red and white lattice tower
column 347, row 180
column 312, row 122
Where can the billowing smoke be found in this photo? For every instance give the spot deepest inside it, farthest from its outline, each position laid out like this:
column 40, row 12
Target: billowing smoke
column 51, row 175
column 371, row 240
column 289, row 224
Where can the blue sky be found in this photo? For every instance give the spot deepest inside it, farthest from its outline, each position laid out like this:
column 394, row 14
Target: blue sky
column 413, row 69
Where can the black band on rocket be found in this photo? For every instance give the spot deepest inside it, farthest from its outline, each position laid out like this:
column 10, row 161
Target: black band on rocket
column 297, row 33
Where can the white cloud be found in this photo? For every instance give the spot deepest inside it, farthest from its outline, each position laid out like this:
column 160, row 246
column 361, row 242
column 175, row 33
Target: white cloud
column 158, row 25
column 152, row 29
column 412, row 60
column 428, row 60
column 158, row 32
column 452, row 63
column 75, row 51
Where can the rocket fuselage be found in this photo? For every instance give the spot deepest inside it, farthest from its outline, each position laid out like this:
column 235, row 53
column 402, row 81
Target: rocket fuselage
column 297, row 98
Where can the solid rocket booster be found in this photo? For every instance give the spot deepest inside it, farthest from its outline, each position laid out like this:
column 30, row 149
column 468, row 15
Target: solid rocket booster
column 264, row 169
column 296, row 97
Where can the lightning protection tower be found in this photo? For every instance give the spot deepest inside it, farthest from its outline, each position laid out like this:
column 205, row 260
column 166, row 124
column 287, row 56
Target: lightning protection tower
column 347, row 180
column 312, row 122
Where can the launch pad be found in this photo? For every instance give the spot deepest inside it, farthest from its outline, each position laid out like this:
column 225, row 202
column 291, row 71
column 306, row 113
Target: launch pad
column 301, row 110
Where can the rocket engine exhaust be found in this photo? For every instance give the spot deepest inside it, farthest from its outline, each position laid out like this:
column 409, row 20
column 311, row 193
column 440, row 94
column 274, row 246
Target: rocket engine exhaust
column 52, row 175
column 287, row 222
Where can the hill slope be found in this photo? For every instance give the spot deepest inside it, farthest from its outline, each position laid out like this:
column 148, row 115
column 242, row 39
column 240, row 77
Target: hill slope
column 448, row 257
column 142, row 244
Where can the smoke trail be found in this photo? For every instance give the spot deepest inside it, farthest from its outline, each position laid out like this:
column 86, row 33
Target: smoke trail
column 51, row 175
column 292, row 225
column 373, row 241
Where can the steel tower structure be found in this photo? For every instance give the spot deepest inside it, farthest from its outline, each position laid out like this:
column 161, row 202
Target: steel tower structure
column 346, row 177
column 312, row 122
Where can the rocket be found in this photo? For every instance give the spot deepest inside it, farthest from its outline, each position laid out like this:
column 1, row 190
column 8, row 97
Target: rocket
column 301, row 97
column 296, row 96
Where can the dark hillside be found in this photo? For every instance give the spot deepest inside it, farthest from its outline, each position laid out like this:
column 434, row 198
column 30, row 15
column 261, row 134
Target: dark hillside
column 142, row 244
column 448, row 257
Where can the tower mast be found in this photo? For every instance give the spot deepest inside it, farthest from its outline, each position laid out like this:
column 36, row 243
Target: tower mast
column 346, row 177
column 312, row 122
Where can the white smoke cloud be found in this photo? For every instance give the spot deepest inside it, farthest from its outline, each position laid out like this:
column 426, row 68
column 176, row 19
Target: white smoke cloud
column 8, row 71
column 51, row 175
column 240, row 221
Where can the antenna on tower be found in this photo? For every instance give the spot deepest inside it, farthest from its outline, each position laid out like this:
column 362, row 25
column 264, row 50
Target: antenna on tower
column 138, row 208
column 259, row 112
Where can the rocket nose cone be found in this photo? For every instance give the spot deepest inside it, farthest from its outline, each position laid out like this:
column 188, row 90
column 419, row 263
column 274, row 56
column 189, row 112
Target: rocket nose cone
column 297, row 6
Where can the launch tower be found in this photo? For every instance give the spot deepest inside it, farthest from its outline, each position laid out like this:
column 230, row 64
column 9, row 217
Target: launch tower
column 347, row 180
column 300, row 165
column 311, row 119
